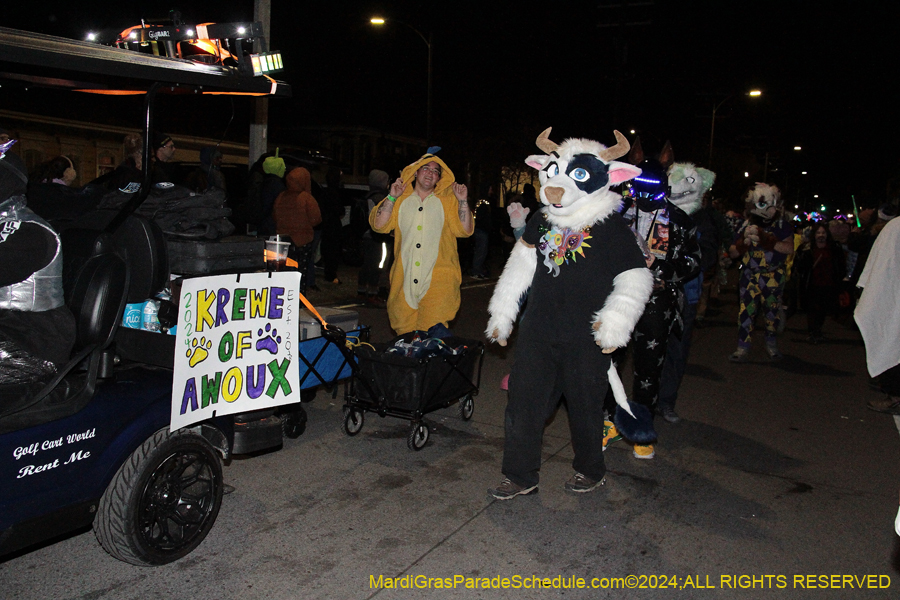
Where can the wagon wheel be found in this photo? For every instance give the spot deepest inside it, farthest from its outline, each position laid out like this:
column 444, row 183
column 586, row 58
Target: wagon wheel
column 293, row 422
column 418, row 436
column 466, row 407
column 353, row 421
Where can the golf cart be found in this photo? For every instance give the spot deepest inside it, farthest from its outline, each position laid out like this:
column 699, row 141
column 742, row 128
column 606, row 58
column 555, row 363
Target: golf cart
column 93, row 445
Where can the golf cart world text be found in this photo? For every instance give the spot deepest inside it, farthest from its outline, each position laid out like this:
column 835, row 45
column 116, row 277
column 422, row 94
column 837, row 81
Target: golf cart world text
column 36, row 447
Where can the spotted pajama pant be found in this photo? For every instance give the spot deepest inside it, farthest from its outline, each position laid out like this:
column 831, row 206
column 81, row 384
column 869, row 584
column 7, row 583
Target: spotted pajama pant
column 759, row 290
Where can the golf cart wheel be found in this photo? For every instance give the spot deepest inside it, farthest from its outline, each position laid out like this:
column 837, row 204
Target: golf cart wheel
column 163, row 500
column 418, row 436
column 466, row 407
column 353, row 421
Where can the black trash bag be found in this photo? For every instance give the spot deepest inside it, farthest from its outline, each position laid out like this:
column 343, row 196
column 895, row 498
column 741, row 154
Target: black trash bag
column 181, row 213
column 17, row 365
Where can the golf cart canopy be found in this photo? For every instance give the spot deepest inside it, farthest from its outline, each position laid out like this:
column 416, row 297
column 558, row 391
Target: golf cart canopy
column 51, row 61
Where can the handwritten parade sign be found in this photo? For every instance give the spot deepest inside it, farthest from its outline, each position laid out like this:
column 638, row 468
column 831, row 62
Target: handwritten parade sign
column 237, row 345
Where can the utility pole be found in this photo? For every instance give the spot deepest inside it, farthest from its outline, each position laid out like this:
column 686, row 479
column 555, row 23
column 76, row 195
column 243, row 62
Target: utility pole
column 262, row 11
column 622, row 16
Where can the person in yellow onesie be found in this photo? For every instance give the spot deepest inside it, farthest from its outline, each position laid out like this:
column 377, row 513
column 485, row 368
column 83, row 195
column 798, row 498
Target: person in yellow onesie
column 426, row 218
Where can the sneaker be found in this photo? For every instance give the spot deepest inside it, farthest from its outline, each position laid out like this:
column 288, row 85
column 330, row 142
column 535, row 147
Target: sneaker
column 669, row 414
column 889, row 405
column 644, row 451
column 581, row 484
column 772, row 350
column 741, row 355
column 782, row 319
column 610, row 434
column 507, row 490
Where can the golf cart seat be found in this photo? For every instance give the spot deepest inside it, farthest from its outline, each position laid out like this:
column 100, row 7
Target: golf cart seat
column 95, row 278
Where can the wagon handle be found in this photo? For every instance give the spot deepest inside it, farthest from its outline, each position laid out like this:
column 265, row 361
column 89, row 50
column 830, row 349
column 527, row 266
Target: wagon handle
column 313, row 310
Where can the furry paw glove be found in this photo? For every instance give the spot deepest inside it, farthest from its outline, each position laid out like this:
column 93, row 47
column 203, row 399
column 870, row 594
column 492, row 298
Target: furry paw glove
column 517, row 214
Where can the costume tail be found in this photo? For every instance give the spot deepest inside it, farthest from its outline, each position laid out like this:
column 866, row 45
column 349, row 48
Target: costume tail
column 634, row 421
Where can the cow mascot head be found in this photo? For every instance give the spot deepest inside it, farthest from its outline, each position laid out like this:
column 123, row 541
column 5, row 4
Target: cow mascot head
column 576, row 177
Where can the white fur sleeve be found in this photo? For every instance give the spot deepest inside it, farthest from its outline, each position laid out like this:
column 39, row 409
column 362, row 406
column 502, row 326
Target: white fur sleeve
column 623, row 307
column 513, row 283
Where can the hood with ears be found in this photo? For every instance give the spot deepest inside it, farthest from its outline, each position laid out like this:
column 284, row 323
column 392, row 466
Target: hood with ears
column 443, row 185
column 576, row 177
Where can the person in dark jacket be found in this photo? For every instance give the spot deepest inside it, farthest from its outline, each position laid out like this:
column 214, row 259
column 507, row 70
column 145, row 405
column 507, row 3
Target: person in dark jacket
column 164, row 168
column 821, row 265
column 668, row 238
column 376, row 247
column 482, row 235
column 128, row 176
column 689, row 184
column 332, row 209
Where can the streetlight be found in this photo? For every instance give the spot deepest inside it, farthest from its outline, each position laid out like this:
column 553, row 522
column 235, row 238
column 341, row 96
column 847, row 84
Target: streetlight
column 712, row 129
column 378, row 21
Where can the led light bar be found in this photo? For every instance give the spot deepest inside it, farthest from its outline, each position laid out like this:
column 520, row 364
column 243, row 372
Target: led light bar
column 266, row 62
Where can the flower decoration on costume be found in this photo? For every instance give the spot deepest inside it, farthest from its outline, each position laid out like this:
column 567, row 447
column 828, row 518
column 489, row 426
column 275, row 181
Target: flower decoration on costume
column 558, row 247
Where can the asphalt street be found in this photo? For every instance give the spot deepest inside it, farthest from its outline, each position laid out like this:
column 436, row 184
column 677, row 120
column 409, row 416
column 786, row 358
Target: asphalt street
column 777, row 479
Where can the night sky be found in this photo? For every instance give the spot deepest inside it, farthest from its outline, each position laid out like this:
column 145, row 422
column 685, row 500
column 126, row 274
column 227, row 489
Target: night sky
column 503, row 73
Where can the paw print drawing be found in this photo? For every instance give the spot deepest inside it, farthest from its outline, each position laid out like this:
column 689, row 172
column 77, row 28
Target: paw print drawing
column 199, row 351
column 270, row 342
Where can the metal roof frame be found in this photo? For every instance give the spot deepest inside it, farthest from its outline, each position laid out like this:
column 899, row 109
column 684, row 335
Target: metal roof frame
column 55, row 62
column 52, row 61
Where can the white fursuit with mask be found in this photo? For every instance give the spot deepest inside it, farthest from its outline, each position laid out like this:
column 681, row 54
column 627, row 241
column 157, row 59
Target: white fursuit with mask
column 570, row 202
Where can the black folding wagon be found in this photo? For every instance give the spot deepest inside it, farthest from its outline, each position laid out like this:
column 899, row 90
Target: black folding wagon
column 406, row 387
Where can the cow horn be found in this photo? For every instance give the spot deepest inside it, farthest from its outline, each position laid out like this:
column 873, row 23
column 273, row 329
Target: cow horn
column 544, row 143
column 620, row 149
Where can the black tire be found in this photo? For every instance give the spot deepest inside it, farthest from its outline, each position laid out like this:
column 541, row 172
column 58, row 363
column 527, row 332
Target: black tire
column 418, row 436
column 466, row 407
column 293, row 422
column 353, row 421
column 163, row 500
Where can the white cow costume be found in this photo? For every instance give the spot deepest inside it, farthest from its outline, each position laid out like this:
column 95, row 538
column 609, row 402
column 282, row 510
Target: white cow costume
column 588, row 285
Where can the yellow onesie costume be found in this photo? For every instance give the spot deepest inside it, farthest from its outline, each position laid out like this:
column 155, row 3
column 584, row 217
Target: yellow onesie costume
column 425, row 277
